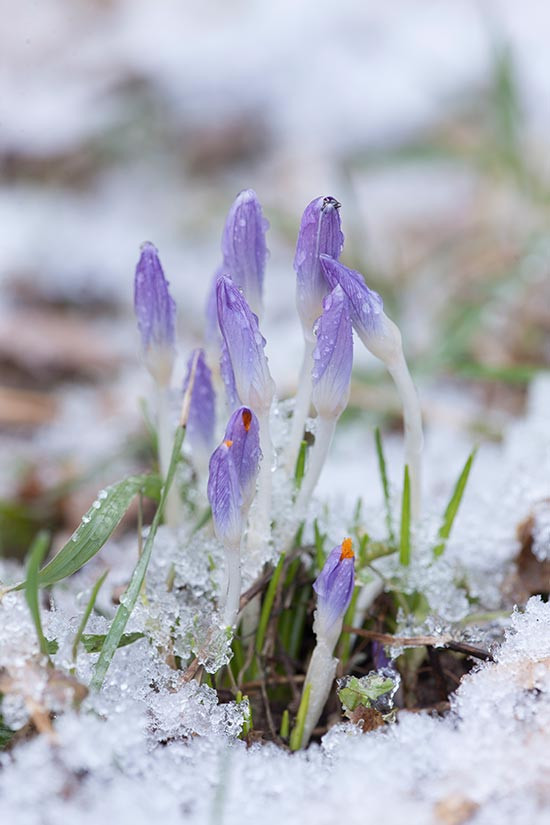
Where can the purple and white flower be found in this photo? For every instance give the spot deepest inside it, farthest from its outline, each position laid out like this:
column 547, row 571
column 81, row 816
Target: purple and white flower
column 334, row 588
column 243, row 431
column 156, row 314
column 225, row 497
column 320, row 233
column 244, row 247
column 332, row 356
column 201, row 419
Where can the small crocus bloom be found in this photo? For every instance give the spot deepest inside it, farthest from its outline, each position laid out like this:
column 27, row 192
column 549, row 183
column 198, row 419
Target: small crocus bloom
column 225, row 497
column 202, row 408
column 334, row 587
column 245, row 346
column 244, row 248
column 378, row 333
column 243, row 430
column 156, row 313
column 320, row 233
column 333, row 356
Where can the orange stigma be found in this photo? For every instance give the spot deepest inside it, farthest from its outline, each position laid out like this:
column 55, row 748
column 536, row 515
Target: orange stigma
column 228, row 443
column 347, row 550
column 247, row 419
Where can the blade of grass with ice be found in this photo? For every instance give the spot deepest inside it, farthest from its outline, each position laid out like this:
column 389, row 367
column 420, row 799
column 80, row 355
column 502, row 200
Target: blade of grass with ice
column 87, row 613
column 268, row 604
column 298, row 731
column 453, row 505
column 405, row 534
column 96, row 528
column 36, row 554
column 131, row 595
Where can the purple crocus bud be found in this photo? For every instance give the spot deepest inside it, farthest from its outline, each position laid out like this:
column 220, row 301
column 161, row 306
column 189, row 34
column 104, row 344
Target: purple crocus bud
column 333, row 356
column 320, row 233
column 202, row 408
column 243, row 430
column 225, row 497
column 156, row 314
column 245, row 346
column 334, row 588
column 378, row 333
column 228, row 377
column 243, row 247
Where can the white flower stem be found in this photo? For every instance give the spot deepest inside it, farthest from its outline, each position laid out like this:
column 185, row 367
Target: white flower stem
column 165, row 435
column 301, row 409
column 231, row 588
column 320, row 675
column 317, row 456
column 412, row 418
column 260, row 515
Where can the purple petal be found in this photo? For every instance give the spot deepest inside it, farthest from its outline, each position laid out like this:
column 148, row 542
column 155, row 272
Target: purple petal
column 320, row 233
column 202, row 409
column 333, row 356
column 245, row 346
column 212, row 330
column 224, row 495
column 243, row 246
column 228, row 376
column 365, row 305
column 243, row 430
column 154, row 306
column 334, row 585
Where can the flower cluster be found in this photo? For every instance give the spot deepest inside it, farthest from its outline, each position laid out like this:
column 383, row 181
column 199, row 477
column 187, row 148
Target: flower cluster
column 332, row 301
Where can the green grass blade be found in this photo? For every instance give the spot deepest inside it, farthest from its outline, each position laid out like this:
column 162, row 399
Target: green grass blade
column 285, row 724
column 454, row 504
column 405, row 535
column 134, row 588
column 89, row 607
column 300, row 465
column 298, row 731
column 93, row 642
column 95, row 529
column 268, row 604
column 36, row 554
column 385, row 484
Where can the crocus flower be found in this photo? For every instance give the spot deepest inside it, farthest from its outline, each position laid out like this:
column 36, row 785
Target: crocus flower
column 225, row 496
column 244, row 248
column 245, row 346
column 382, row 338
column 320, row 233
column 156, row 314
column 228, row 377
column 202, row 409
column 334, row 588
column 333, row 356
column 243, row 431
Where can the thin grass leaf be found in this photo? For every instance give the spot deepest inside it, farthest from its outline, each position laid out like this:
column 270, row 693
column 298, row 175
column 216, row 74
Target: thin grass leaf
column 267, row 604
column 405, row 534
column 138, row 576
column 454, row 504
column 385, row 484
column 89, row 607
column 6, row 734
column 298, row 730
column 93, row 642
column 300, row 465
column 36, row 554
column 285, row 724
column 96, row 528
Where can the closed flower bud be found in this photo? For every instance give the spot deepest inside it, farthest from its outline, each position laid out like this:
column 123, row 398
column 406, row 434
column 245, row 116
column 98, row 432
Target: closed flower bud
column 243, row 431
column 333, row 356
column 334, row 588
column 156, row 313
column 320, row 233
column 225, row 497
column 201, row 419
column 245, row 346
column 244, row 248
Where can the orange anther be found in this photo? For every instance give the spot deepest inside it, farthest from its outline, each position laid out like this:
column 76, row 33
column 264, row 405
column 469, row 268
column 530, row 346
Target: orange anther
column 247, row 419
column 347, row 550
column 228, row 443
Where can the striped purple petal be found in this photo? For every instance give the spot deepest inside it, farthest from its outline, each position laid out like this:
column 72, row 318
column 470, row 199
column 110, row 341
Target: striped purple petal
column 243, row 430
column 333, row 356
column 202, row 409
column 224, row 495
column 365, row 305
column 320, row 233
column 154, row 306
column 334, row 585
column 245, row 346
column 244, row 248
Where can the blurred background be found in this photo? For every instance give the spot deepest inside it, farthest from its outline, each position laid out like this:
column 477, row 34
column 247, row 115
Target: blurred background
column 130, row 120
